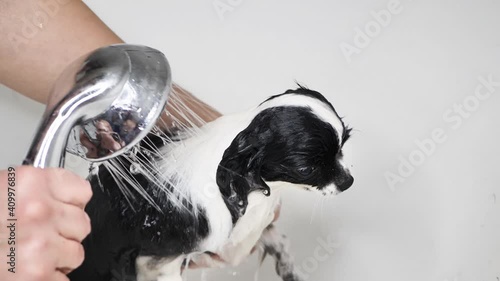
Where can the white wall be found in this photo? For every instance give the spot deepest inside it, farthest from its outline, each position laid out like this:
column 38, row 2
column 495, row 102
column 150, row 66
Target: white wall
column 443, row 221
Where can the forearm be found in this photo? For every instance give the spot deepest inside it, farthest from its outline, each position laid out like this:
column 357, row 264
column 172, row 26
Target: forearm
column 185, row 108
column 43, row 37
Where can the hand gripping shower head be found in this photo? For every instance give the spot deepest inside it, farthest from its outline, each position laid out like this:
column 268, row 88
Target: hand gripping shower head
column 104, row 103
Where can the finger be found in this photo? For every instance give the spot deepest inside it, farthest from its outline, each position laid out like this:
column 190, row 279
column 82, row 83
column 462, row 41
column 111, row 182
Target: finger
column 38, row 253
column 69, row 188
column 60, row 276
column 65, row 270
column 71, row 255
column 35, row 208
column 91, row 148
column 73, row 223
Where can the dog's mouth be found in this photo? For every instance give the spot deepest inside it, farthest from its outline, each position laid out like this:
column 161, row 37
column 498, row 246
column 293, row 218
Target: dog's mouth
column 330, row 192
column 336, row 187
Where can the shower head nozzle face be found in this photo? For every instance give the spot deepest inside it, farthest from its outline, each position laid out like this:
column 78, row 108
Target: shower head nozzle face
column 105, row 102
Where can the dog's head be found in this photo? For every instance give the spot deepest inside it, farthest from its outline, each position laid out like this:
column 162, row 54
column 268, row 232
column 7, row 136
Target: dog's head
column 295, row 137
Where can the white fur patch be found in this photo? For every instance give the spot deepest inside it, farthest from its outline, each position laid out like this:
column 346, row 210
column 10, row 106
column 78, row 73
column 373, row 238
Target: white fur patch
column 259, row 214
column 166, row 269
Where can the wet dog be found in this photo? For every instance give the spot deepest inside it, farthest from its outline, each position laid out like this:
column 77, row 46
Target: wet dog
column 209, row 195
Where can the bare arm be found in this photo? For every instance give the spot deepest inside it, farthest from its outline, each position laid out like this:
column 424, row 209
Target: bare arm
column 43, row 37
column 38, row 39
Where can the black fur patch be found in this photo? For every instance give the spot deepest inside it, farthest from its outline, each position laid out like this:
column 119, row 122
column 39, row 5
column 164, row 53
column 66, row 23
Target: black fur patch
column 123, row 230
column 346, row 134
column 281, row 144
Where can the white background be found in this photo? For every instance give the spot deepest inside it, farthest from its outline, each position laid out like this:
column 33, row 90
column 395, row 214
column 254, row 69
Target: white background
column 442, row 222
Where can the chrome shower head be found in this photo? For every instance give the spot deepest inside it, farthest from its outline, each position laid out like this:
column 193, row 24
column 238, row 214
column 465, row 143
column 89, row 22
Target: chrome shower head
column 106, row 101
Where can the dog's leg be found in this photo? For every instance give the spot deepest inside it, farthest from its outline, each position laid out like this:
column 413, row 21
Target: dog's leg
column 277, row 246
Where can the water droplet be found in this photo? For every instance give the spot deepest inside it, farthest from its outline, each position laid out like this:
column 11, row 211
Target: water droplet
column 135, row 168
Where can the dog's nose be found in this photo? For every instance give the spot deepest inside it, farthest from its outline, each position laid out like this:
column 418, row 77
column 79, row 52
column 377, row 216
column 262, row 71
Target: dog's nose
column 344, row 185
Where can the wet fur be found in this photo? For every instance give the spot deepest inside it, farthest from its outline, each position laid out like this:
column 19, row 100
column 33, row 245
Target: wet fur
column 241, row 163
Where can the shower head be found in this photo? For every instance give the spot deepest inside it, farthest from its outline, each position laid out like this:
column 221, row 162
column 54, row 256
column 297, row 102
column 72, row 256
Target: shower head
column 102, row 104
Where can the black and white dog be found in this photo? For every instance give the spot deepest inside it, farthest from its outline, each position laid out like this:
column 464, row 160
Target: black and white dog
column 209, row 198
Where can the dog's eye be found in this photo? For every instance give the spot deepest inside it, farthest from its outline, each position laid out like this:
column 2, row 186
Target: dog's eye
column 305, row 171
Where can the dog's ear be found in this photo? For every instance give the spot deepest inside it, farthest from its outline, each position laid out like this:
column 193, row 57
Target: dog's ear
column 239, row 171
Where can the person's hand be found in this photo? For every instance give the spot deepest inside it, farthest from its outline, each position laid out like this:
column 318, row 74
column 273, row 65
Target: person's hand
column 51, row 223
